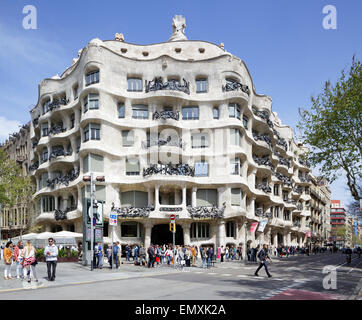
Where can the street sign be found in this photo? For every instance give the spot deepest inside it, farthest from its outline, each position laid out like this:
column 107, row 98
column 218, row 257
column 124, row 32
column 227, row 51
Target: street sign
column 94, row 221
column 172, row 217
column 112, row 219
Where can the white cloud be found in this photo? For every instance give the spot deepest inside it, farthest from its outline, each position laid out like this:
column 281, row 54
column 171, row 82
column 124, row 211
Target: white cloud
column 28, row 48
column 7, row 127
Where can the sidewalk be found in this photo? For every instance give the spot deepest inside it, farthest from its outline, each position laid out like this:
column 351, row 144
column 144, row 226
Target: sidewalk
column 74, row 273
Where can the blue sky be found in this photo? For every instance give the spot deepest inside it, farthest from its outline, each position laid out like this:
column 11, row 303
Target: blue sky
column 283, row 43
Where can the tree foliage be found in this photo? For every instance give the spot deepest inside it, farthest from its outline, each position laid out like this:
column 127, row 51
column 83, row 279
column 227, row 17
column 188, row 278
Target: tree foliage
column 332, row 129
column 14, row 186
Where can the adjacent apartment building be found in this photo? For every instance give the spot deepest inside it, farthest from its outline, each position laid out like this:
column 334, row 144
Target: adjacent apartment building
column 16, row 219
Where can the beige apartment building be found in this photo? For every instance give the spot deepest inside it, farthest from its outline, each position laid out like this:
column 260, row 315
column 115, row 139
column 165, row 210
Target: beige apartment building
column 175, row 128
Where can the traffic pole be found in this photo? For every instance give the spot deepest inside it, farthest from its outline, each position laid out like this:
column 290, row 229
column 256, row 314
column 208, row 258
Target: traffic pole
column 174, row 249
column 92, row 216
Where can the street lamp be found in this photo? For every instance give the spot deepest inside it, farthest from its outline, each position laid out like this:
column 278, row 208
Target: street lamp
column 93, row 210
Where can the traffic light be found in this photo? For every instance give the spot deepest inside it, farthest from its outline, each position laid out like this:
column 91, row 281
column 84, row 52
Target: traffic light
column 173, row 227
column 100, row 178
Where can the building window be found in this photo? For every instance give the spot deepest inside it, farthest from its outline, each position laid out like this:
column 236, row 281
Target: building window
column 234, row 110
column 206, row 197
column 236, row 195
column 78, row 144
column 276, row 212
column 285, row 196
column 200, row 140
column 200, row 230
column 127, row 138
column 230, row 229
column 235, row 137
column 95, row 132
column 132, row 167
column 137, row 199
column 201, row 169
column 245, row 122
column 121, row 110
column 286, row 215
column 92, row 77
column 276, row 189
column 190, row 113
column 235, row 166
column 140, row 111
column 201, row 85
column 43, row 180
column 44, row 129
column 44, row 155
column 93, row 163
column 131, row 229
column 45, row 107
column 47, row 204
column 134, row 84
column 75, row 91
column 216, row 112
column 91, row 101
column 72, row 120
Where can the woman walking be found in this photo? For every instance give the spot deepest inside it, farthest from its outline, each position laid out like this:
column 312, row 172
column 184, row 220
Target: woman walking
column 8, row 259
column 18, row 257
column 29, row 261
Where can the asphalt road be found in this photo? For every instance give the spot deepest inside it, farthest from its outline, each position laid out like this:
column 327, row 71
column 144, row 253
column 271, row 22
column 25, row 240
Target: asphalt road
column 299, row 277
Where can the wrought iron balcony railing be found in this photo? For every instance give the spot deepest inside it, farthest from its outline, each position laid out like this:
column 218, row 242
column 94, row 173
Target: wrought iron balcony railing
column 286, row 180
column 169, row 169
column 56, row 103
column 206, row 212
column 74, row 174
column 297, row 224
column 34, row 166
column 56, row 129
column 298, row 189
column 264, row 161
column 163, row 142
column 303, row 162
column 166, row 114
column 132, row 212
column 259, row 212
column 36, row 121
column 264, row 115
column 35, row 143
column 60, row 152
column 280, row 141
column 262, row 137
column 157, row 84
column 62, row 214
column 264, row 187
column 232, row 85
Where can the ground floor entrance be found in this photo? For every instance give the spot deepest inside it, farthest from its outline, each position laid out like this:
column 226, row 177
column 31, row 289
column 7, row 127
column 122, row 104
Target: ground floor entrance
column 161, row 235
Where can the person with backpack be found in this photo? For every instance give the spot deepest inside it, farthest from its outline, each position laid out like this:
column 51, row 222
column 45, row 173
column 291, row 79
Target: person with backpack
column 263, row 255
column 209, row 256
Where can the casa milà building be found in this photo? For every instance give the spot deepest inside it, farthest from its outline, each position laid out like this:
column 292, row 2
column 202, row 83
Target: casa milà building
column 175, row 128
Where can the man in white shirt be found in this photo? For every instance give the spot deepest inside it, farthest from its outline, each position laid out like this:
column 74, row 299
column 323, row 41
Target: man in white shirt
column 51, row 254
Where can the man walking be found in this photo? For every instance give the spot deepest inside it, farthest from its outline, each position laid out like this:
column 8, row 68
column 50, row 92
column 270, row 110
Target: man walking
column 263, row 255
column 151, row 256
column 51, row 257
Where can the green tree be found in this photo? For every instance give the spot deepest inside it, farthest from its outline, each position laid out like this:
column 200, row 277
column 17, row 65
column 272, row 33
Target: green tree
column 332, row 129
column 13, row 184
